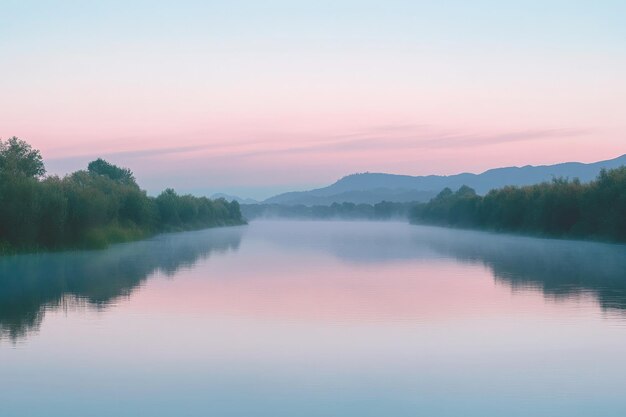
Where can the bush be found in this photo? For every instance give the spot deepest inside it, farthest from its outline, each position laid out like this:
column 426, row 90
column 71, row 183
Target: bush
column 561, row 208
column 90, row 208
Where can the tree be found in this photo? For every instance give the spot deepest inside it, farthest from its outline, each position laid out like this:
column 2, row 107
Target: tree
column 168, row 203
column 19, row 158
column 102, row 167
column 89, row 208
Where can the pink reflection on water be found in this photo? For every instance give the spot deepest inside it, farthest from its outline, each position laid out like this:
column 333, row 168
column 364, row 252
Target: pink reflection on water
column 335, row 291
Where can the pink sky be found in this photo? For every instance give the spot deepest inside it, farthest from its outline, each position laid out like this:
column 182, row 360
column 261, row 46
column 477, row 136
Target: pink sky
column 287, row 98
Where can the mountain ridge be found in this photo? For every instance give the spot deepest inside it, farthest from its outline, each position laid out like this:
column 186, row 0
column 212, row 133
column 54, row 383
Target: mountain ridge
column 372, row 188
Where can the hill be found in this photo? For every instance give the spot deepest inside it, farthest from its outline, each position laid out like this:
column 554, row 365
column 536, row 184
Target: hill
column 371, row 188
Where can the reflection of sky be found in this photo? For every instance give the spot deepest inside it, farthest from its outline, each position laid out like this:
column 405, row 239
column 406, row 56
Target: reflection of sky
column 243, row 95
column 385, row 273
column 289, row 322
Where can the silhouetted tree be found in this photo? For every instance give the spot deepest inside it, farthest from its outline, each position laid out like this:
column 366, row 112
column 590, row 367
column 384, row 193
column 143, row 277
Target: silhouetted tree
column 102, row 167
column 19, row 158
column 560, row 208
column 89, row 208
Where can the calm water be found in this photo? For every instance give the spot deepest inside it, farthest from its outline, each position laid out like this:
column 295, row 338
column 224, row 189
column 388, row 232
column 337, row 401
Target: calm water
column 316, row 319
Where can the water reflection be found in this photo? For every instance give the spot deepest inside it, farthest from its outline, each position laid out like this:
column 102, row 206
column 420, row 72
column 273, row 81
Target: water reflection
column 318, row 318
column 558, row 268
column 32, row 284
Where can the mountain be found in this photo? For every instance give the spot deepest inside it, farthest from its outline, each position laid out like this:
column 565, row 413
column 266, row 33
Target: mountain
column 372, row 188
column 229, row 197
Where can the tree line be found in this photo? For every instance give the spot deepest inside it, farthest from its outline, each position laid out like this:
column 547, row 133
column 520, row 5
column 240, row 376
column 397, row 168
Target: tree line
column 561, row 208
column 90, row 208
column 384, row 210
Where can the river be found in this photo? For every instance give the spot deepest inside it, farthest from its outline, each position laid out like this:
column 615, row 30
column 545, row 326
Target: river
column 297, row 318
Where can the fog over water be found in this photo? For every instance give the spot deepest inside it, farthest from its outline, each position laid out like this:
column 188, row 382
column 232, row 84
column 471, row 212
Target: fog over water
column 312, row 318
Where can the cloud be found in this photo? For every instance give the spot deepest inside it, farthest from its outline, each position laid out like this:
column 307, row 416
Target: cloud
column 500, row 138
column 395, row 138
column 416, row 137
column 139, row 153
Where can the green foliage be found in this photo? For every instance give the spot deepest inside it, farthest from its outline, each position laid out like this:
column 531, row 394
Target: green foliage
column 18, row 158
column 168, row 203
column 91, row 208
column 562, row 208
column 102, row 167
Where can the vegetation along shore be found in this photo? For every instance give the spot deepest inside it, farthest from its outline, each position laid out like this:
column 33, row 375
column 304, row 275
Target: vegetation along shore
column 562, row 208
column 90, row 208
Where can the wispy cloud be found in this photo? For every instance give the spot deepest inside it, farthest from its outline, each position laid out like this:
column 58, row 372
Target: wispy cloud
column 407, row 140
column 390, row 137
column 152, row 152
column 471, row 140
column 416, row 137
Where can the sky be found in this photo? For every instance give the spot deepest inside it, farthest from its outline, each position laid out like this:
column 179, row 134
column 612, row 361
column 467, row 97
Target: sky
column 258, row 97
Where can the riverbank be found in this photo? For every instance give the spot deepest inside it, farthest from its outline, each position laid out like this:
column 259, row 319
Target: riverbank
column 102, row 238
column 563, row 208
column 90, row 208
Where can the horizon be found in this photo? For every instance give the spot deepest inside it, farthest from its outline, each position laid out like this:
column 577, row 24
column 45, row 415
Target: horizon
column 284, row 208
column 247, row 193
column 256, row 100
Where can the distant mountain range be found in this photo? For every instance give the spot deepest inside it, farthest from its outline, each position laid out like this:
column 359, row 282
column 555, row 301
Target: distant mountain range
column 373, row 188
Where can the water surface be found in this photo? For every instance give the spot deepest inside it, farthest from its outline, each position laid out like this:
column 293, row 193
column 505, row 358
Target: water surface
column 316, row 319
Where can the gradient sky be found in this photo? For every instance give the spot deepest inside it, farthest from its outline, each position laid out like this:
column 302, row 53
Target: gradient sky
column 256, row 97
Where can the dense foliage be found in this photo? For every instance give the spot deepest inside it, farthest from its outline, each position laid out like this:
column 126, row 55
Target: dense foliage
column 90, row 208
column 384, row 210
column 562, row 208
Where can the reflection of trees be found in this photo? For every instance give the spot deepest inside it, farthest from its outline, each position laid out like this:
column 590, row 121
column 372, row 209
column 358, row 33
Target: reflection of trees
column 32, row 284
column 558, row 268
